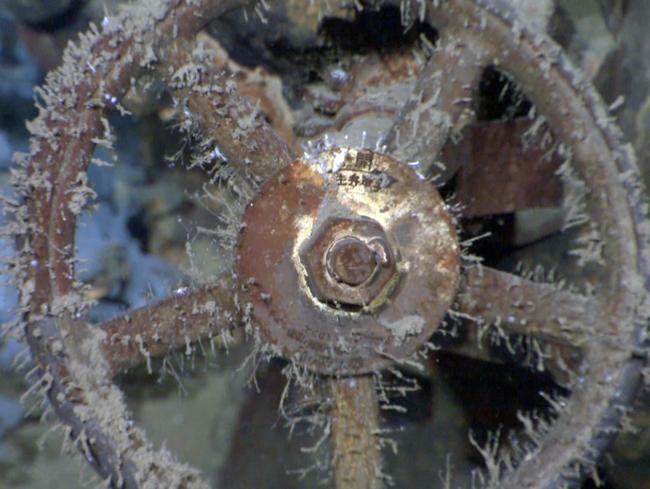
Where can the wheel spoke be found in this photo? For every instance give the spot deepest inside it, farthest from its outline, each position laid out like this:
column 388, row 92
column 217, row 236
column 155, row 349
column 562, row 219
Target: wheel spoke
column 233, row 126
column 506, row 166
column 439, row 106
column 519, row 306
column 560, row 360
column 355, row 423
column 176, row 322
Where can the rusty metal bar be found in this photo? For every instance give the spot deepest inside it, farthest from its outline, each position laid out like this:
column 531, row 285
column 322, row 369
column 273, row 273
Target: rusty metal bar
column 520, row 306
column 173, row 323
column 560, row 360
column 235, row 123
column 440, row 104
column 505, row 166
column 355, row 421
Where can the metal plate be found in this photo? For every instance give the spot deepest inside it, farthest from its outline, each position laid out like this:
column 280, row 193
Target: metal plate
column 347, row 184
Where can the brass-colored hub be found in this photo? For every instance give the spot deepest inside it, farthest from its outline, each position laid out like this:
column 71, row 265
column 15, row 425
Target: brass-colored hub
column 350, row 261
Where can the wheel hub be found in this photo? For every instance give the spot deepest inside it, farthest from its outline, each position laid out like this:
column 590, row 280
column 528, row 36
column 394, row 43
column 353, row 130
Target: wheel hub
column 349, row 260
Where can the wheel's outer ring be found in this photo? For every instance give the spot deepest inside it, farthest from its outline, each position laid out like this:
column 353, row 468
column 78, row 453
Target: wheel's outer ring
column 70, row 123
column 616, row 355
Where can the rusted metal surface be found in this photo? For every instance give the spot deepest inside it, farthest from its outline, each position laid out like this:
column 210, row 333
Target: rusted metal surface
column 355, row 424
column 375, row 86
column 512, row 307
column 260, row 86
column 520, row 306
column 231, row 123
column 574, row 111
column 66, row 132
column 505, row 166
column 153, row 331
column 440, row 104
column 561, row 361
column 347, row 185
column 349, row 261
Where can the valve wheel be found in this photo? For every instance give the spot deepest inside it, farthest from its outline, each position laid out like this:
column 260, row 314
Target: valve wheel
column 347, row 259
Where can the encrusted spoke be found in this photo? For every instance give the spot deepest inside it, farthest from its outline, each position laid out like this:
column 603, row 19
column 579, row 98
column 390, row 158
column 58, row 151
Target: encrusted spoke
column 355, row 424
column 505, row 166
column 173, row 323
column 439, row 106
column 233, row 128
column 519, row 306
column 562, row 361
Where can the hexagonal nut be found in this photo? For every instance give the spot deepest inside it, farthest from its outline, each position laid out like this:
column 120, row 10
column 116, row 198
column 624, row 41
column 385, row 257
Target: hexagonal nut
column 325, row 287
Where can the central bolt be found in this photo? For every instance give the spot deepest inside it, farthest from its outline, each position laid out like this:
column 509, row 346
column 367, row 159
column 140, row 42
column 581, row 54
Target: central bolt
column 350, row 261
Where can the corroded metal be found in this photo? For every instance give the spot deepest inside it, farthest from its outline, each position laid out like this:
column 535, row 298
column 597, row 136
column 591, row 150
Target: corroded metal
column 557, row 321
column 371, row 92
column 70, row 126
column 308, row 206
column 349, row 261
column 521, row 306
column 287, row 210
column 440, row 105
column 189, row 315
column 355, row 424
column 515, row 157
